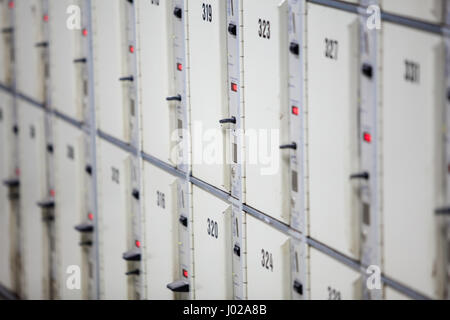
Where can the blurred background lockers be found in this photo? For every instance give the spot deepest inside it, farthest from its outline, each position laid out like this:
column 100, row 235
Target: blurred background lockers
column 102, row 197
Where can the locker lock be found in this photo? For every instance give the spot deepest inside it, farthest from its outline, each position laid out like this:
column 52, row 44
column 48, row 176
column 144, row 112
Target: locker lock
column 292, row 146
column 367, row 70
column 132, row 255
column 442, row 211
column 228, row 120
column 84, row 227
column 129, row 78
column 183, row 220
column 177, row 12
column 174, row 98
column 88, row 170
column 298, row 287
column 232, row 29
column 363, row 175
column 135, row 194
column 179, row 286
column 237, row 250
column 294, row 48
column 135, row 272
column 43, row 44
column 80, row 60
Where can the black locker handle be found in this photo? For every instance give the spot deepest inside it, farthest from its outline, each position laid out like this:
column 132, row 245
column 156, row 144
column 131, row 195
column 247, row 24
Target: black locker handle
column 442, row 211
column 132, row 255
column 80, row 60
column 135, row 272
column 228, row 120
column 11, row 183
column 46, row 204
column 292, row 146
column 129, row 78
column 43, row 44
column 84, row 227
column 362, row 175
column 179, row 286
column 174, row 98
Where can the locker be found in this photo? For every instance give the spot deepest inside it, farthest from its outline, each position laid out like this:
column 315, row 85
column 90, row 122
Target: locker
column 69, row 197
column 391, row 294
column 29, row 49
column 161, row 232
column 208, row 91
column 430, row 10
column 5, row 43
column 268, row 265
column 158, row 115
column 6, row 219
column 332, row 280
column 32, row 190
column 115, row 219
column 212, row 247
column 109, row 67
column 64, row 49
column 332, row 124
column 412, row 149
column 265, row 62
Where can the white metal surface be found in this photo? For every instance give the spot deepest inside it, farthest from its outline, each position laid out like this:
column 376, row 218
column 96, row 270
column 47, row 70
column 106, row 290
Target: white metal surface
column 411, row 155
column 70, row 209
column 212, row 247
column 333, row 118
column 5, row 43
column 429, row 10
column 208, row 92
column 32, row 190
column 268, row 265
column 266, row 83
column 114, row 219
column 161, row 232
column 332, row 280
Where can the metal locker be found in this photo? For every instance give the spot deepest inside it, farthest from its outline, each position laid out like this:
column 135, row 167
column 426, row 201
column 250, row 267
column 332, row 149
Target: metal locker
column 161, row 232
column 412, row 155
column 266, row 106
column 156, row 76
column 430, row 10
column 114, row 219
column 32, row 190
column 29, row 49
column 268, row 262
column 6, row 28
column 212, row 238
column 391, row 294
column 69, row 209
column 64, row 51
column 332, row 51
column 109, row 65
column 332, row 280
column 208, row 92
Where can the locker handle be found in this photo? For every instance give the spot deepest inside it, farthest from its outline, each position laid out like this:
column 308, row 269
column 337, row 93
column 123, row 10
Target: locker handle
column 292, row 146
column 237, row 250
column 177, row 12
column 7, row 30
column 84, row 227
column 11, row 183
column 135, row 194
column 179, row 286
column 442, row 211
column 50, row 148
column 85, row 243
column 47, row 204
column 43, row 44
column 16, row 130
column 174, row 98
column 183, row 220
column 135, row 272
column 132, row 255
column 298, row 287
column 228, row 120
column 367, row 70
column 232, row 29
column 362, row 175
column 129, row 78
column 88, row 170
column 294, row 48
column 80, row 60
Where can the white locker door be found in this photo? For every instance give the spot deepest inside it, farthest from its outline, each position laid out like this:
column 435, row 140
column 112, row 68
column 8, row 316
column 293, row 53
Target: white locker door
column 429, row 10
column 332, row 280
column 161, row 232
column 268, row 263
column 5, row 209
column 156, row 76
column 212, row 247
column 333, row 132
column 63, row 50
column 412, row 155
column 69, row 199
column 266, row 125
column 208, row 91
column 27, row 33
column 109, row 56
column 114, row 215
column 32, row 190
column 5, row 43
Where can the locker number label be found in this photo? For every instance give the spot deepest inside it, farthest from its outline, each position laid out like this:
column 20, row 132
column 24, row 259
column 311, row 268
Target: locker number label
column 333, row 294
column 264, row 28
column 115, row 174
column 331, row 49
column 266, row 260
column 155, row 2
column 207, row 12
column 160, row 199
column 412, row 71
column 70, row 152
column 213, row 228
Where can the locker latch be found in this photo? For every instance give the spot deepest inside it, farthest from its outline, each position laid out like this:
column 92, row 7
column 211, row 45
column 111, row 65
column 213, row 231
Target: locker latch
column 16, row 130
column 50, row 148
column 294, row 48
column 174, row 98
column 362, row 175
column 298, row 287
column 442, row 211
column 43, row 44
column 237, row 250
column 132, row 255
column 84, row 227
column 46, row 204
column 11, row 183
column 179, row 286
column 80, row 60
column 177, row 12
column 88, row 170
column 367, row 70
column 7, row 30
column 228, row 120
column 183, row 220
column 232, row 29
column 85, row 243
column 135, row 272
column 129, row 78
column 292, row 146
column 135, row 194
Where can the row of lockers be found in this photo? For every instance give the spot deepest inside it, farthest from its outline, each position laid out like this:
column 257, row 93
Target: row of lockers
column 140, row 43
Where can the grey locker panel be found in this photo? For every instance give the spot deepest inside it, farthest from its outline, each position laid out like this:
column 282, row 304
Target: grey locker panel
column 212, row 246
column 208, row 91
column 412, row 176
column 161, row 232
column 429, row 10
column 265, row 82
column 332, row 73
column 69, row 197
column 32, row 190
